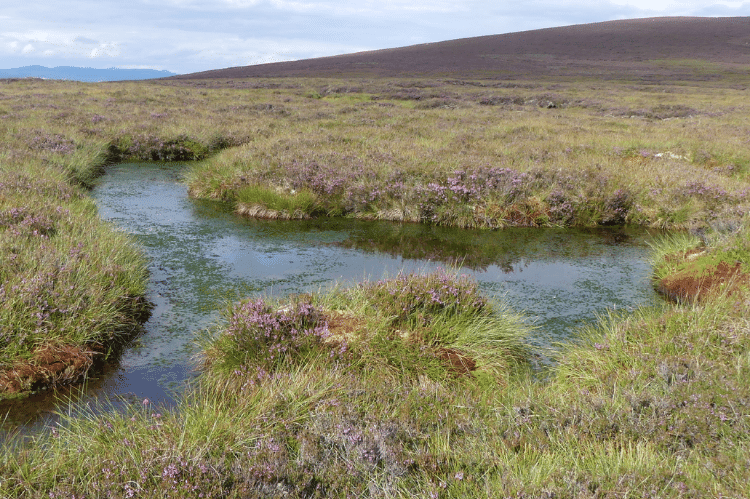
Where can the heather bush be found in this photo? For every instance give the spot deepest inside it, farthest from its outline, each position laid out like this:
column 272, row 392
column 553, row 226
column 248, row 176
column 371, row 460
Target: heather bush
column 155, row 148
column 414, row 299
column 259, row 339
column 21, row 221
column 617, row 206
column 44, row 141
column 561, row 207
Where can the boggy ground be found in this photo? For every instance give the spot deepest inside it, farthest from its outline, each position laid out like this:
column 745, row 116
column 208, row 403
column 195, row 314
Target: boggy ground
column 348, row 394
column 455, row 152
column 652, row 403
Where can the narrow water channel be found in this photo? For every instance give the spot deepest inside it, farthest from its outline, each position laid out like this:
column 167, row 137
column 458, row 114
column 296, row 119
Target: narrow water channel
column 203, row 258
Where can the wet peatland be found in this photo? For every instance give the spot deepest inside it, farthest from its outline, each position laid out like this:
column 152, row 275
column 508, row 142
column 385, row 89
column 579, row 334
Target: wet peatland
column 203, row 257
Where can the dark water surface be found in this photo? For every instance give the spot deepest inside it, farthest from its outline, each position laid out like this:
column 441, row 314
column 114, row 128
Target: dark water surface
column 203, row 258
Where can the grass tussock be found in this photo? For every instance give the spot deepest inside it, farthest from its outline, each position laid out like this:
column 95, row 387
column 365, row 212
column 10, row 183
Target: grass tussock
column 690, row 269
column 411, row 325
column 261, row 202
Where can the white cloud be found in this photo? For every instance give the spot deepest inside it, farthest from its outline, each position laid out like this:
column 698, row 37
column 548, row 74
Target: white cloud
column 64, row 43
column 29, row 36
column 105, row 50
column 39, row 36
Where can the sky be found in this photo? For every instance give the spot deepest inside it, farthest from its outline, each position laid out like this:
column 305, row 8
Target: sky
column 185, row 36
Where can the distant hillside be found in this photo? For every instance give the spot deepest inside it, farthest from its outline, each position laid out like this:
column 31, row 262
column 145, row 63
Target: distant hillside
column 83, row 74
column 655, row 47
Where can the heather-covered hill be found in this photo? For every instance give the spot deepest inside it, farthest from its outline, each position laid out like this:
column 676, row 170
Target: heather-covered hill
column 666, row 47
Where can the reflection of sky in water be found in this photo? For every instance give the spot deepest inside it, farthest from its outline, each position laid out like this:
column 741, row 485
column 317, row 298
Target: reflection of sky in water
column 564, row 294
column 203, row 258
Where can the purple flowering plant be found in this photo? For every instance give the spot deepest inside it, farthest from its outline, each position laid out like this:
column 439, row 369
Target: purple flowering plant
column 412, row 298
column 259, row 338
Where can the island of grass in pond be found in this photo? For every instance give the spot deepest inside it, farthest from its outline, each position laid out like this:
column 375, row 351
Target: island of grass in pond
column 430, row 325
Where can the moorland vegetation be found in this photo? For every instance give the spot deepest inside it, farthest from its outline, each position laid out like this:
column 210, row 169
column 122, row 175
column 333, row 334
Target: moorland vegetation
column 416, row 385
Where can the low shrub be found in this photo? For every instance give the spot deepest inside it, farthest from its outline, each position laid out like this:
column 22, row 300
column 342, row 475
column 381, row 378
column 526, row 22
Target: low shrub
column 258, row 339
column 414, row 299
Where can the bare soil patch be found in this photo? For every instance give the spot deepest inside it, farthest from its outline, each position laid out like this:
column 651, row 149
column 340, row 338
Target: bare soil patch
column 457, row 363
column 696, row 284
column 344, row 327
column 49, row 366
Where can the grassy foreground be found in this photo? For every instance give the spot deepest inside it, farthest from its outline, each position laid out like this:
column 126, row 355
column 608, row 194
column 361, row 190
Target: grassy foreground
column 416, row 387
column 356, row 398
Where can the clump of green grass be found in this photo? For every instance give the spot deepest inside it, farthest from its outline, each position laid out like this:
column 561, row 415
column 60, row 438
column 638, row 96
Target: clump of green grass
column 436, row 325
column 496, row 345
column 407, row 324
column 690, row 272
column 667, row 251
column 263, row 202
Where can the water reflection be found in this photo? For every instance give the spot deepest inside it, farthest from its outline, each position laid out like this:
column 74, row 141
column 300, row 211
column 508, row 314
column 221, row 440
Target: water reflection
column 478, row 250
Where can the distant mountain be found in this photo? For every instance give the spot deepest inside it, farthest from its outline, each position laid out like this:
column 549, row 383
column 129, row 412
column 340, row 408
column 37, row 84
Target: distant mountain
column 83, row 74
column 656, row 48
